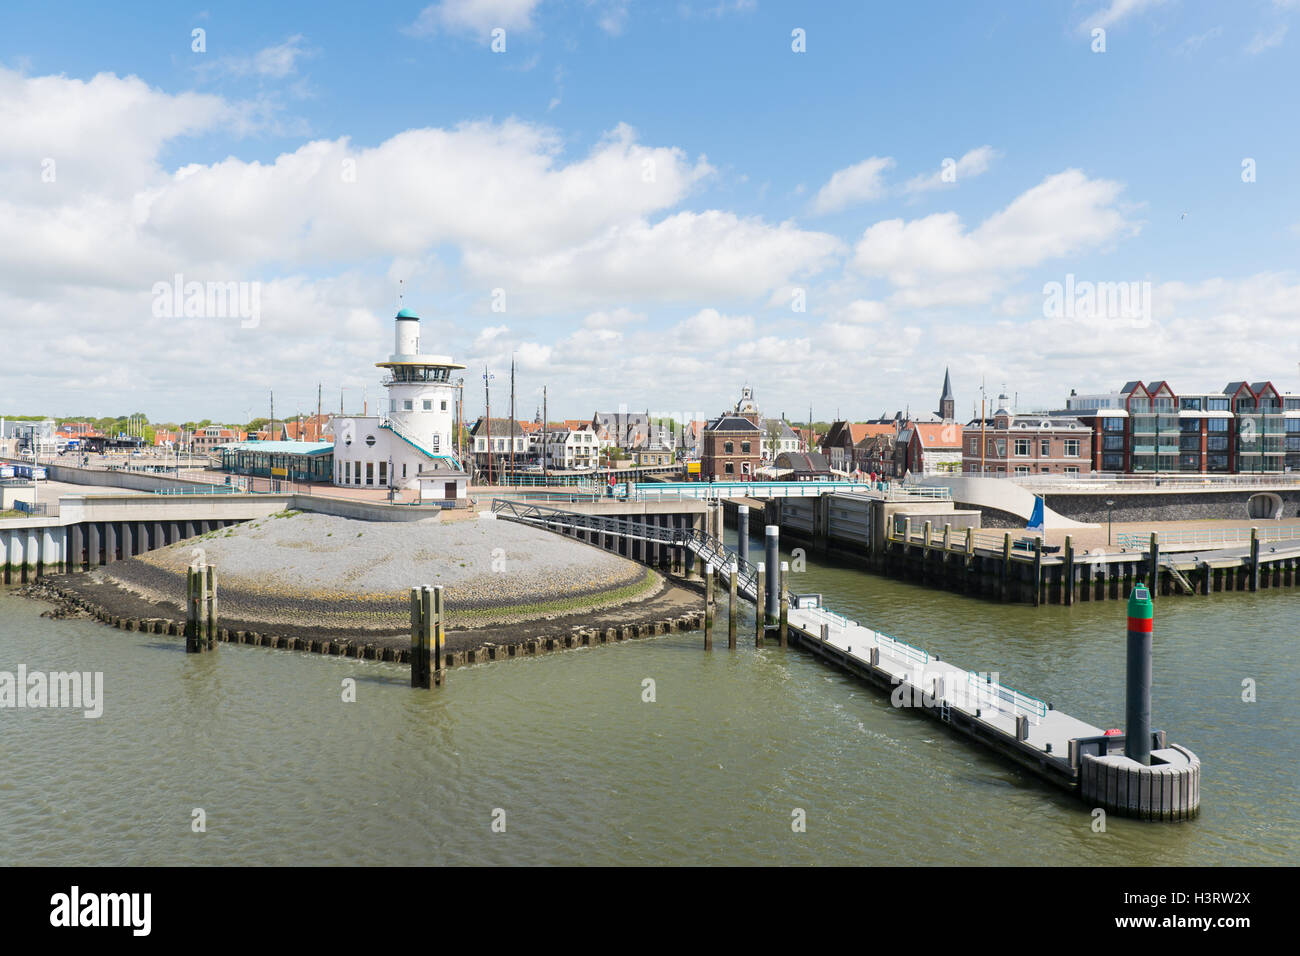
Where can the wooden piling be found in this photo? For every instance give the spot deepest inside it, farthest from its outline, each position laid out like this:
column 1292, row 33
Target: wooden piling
column 758, row 606
column 210, row 606
column 439, row 636
column 417, row 676
column 428, row 637
column 200, row 608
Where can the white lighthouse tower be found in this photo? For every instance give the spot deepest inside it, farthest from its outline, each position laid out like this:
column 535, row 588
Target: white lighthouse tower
column 413, row 432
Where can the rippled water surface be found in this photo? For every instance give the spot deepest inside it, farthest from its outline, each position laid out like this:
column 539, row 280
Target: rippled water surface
column 586, row 772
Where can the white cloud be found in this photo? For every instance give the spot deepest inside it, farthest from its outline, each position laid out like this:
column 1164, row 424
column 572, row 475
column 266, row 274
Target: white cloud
column 1194, row 43
column 682, row 257
column 273, row 62
column 969, row 166
column 1117, row 11
column 1065, row 213
column 612, row 319
column 473, row 16
column 1262, row 40
column 854, row 184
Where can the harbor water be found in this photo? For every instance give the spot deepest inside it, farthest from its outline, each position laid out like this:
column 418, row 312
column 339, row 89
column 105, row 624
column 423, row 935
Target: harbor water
column 761, row 756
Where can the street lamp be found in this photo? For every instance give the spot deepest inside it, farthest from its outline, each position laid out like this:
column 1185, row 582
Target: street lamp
column 1110, row 511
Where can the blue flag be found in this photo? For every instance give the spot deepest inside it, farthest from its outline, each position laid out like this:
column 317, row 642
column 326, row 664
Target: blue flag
column 1036, row 519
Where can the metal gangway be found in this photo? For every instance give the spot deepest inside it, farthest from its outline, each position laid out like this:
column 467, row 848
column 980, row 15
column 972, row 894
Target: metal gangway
column 704, row 546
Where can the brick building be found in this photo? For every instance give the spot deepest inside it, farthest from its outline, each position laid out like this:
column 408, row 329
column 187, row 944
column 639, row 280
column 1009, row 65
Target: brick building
column 1033, row 444
column 732, row 449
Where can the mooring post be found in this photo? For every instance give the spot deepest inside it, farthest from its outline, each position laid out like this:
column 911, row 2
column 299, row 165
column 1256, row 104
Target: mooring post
column 192, row 609
column 907, row 535
column 708, row 606
column 210, row 606
column 1068, row 596
column 732, row 575
column 421, row 638
column 1006, row 563
column 1038, row 570
column 1155, row 564
column 758, row 604
column 1137, row 703
column 783, row 627
column 742, row 532
column 1254, row 559
column 196, row 610
column 772, row 605
column 439, row 636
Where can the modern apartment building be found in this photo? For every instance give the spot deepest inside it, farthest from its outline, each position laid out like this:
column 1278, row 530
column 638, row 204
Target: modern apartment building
column 1247, row 428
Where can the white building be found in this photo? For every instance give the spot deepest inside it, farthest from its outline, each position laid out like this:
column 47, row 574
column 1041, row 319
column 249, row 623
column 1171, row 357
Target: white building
column 413, row 431
column 572, row 449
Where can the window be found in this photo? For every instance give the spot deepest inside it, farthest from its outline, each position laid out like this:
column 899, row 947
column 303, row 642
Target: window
column 744, row 448
column 444, row 406
column 729, row 468
column 383, row 472
column 1293, row 425
column 406, row 405
column 1217, row 443
column 1189, row 424
column 1072, row 448
column 1022, row 449
column 1192, row 404
column 1022, row 469
column 1216, row 404
column 1112, row 424
column 370, row 440
column 1112, row 442
column 1217, row 425
column 428, row 404
column 403, row 469
column 436, row 439
column 1001, row 444
column 728, row 447
column 370, row 472
column 1112, row 462
column 974, row 446
column 1071, row 469
column 1044, row 448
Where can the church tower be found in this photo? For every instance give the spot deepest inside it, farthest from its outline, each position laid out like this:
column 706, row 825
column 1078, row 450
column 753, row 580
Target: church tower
column 947, row 405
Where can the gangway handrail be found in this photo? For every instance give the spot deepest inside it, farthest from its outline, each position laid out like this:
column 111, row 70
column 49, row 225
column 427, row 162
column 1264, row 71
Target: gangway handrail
column 995, row 690
column 901, row 649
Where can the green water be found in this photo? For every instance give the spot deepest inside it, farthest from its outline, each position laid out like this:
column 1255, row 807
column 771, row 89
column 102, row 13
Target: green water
column 587, row 772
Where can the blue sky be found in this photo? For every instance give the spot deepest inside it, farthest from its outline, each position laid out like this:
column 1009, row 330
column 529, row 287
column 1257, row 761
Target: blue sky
column 774, row 175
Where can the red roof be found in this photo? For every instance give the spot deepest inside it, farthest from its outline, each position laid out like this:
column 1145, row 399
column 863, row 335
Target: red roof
column 938, row 434
column 861, row 430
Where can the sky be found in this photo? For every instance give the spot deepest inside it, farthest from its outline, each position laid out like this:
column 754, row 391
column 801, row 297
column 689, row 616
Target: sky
column 645, row 204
